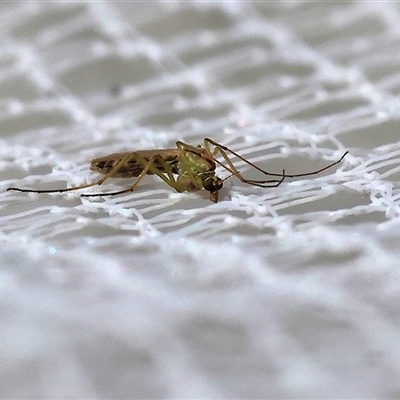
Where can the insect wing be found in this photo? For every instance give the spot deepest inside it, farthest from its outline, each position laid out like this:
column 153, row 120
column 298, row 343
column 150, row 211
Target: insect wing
column 132, row 164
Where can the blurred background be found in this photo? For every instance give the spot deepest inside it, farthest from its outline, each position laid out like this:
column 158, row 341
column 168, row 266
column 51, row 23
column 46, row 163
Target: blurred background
column 290, row 292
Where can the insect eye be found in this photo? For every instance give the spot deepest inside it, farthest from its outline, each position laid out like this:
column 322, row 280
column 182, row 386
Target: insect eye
column 212, row 184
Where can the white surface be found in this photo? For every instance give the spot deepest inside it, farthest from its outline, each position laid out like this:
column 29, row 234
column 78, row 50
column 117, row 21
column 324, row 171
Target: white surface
column 290, row 292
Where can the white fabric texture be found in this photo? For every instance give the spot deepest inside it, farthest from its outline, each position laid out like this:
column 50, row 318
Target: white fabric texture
column 287, row 292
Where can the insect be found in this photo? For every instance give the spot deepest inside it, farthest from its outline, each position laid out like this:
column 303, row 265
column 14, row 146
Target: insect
column 186, row 168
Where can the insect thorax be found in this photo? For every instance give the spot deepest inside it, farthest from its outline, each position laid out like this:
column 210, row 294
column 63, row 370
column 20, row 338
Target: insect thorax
column 193, row 170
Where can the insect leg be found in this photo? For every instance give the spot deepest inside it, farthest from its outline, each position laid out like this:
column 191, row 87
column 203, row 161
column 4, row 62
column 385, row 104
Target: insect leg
column 222, row 149
column 98, row 182
column 148, row 167
column 166, row 168
column 183, row 149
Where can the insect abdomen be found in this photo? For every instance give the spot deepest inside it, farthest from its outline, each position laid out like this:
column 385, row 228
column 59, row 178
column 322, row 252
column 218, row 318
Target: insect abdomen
column 131, row 167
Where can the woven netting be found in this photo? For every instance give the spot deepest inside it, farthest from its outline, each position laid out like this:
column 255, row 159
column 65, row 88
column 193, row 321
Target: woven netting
column 282, row 292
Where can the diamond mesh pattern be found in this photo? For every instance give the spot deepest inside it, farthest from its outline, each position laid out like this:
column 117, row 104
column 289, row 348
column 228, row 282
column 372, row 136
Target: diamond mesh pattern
column 285, row 292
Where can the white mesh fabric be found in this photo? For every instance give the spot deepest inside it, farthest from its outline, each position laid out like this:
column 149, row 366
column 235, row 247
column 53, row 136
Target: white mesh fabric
column 270, row 293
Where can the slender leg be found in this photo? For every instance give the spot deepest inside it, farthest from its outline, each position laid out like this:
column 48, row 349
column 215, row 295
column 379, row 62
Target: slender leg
column 184, row 149
column 165, row 169
column 222, row 149
column 148, row 167
column 210, row 155
column 98, row 182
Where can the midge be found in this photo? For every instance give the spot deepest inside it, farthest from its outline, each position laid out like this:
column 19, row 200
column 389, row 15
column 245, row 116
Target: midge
column 186, row 168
